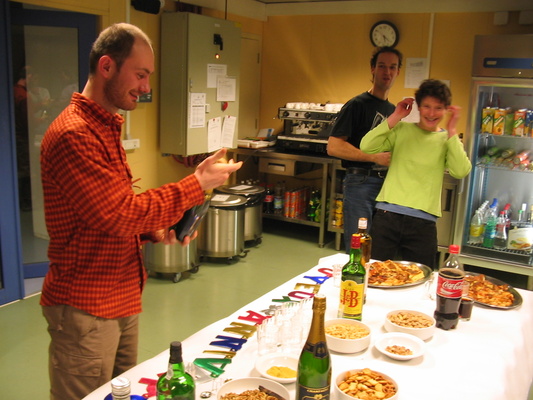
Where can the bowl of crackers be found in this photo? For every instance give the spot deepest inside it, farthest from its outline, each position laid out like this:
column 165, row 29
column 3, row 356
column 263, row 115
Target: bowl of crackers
column 365, row 384
column 253, row 389
column 412, row 322
column 400, row 346
column 347, row 335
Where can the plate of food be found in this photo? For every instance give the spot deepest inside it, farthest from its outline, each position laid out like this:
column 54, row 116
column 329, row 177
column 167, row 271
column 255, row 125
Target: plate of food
column 491, row 292
column 397, row 274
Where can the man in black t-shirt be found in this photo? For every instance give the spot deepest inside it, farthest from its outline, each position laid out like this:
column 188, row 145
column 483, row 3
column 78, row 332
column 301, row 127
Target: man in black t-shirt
column 364, row 172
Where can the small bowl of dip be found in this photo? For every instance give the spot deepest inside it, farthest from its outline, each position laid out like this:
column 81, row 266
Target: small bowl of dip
column 281, row 368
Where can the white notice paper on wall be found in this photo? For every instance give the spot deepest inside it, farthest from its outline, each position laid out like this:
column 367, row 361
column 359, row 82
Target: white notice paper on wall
column 213, row 71
column 197, row 110
column 416, row 70
column 226, row 88
column 228, row 131
column 214, row 133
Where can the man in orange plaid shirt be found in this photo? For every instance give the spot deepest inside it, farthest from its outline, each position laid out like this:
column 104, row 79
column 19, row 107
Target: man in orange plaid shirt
column 91, row 295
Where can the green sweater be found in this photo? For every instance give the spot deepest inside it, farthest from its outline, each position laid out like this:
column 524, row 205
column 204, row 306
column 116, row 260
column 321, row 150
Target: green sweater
column 418, row 161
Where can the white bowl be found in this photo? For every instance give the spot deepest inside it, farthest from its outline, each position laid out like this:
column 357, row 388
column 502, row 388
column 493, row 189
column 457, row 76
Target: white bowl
column 422, row 333
column 240, row 385
column 340, row 395
column 347, row 345
column 264, row 363
column 413, row 343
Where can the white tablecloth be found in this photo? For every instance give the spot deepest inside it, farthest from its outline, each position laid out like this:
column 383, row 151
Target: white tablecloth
column 489, row 357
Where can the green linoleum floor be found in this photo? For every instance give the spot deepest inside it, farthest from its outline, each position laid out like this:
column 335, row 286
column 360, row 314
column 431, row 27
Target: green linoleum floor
column 172, row 311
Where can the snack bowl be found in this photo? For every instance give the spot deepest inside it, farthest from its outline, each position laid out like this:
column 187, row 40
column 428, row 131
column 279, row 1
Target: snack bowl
column 411, row 342
column 423, row 333
column 268, row 361
column 340, row 345
column 240, row 385
column 341, row 394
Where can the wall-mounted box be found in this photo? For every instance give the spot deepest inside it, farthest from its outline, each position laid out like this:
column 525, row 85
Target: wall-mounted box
column 194, row 50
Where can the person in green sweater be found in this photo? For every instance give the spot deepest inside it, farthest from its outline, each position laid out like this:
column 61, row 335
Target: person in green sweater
column 409, row 203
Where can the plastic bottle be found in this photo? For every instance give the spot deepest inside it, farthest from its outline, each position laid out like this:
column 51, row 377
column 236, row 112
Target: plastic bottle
column 353, row 277
column 490, row 225
column 121, row 390
column 500, row 238
column 314, row 365
column 268, row 204
column 176, row 383
column 449, row 290
column 508, row 216
column 278, row 199
column 476, row 229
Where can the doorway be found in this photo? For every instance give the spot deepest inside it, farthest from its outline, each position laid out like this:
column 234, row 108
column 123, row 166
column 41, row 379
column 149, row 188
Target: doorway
column 48, row 61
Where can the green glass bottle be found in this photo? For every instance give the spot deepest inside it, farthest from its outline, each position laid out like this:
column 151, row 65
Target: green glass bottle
column 352, row 291
column 314, row 365
column 176, row 384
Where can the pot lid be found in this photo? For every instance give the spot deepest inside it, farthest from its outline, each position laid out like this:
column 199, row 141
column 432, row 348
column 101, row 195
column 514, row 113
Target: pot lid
column 240, row 189
column 227, row 200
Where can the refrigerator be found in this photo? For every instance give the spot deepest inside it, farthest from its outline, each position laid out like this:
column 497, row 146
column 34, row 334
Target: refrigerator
column 501, row 96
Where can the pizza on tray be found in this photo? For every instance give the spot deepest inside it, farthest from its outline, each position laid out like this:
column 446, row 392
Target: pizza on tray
column 391, row 273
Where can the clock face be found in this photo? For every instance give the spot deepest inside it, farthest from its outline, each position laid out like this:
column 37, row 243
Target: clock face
column 384, row 33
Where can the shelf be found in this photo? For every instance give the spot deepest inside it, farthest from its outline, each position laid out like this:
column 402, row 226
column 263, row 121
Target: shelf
column 495, row 167
column 505, row 136
column 293, row 220
column 516, row 256
column 290, row 164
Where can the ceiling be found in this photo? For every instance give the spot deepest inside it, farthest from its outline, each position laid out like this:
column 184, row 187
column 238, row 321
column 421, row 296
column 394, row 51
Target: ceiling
column 294, row 1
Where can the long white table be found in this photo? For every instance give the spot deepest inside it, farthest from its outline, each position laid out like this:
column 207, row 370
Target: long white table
column 489, row 357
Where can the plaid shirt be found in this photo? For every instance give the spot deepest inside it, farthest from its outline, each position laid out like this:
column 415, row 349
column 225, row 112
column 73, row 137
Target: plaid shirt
column 94, row 219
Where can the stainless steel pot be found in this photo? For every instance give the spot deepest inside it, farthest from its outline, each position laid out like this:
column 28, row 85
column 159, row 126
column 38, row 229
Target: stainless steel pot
column 221, row 233
column 253, row 211
column 171, row 259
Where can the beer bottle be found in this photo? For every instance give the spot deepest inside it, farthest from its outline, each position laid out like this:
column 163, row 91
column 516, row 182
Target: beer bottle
column 353, row 277
column 314, row 365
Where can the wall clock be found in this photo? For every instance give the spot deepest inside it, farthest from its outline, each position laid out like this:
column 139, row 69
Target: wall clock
column 384, row 33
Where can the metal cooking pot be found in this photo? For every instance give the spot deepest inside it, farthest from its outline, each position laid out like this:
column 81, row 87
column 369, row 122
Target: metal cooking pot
column 253, row 208
column 171, row 258
column 221, row 233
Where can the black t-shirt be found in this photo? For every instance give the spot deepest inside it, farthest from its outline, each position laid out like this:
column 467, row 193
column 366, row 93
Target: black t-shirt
column 358, row 116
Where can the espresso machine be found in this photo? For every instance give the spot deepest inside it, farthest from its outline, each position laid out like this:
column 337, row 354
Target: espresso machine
column 306, row 126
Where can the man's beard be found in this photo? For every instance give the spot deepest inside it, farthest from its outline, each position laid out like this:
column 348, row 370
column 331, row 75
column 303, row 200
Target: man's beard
column 116, row 97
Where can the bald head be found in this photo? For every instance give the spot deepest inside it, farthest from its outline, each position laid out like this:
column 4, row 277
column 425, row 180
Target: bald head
column 116, row 41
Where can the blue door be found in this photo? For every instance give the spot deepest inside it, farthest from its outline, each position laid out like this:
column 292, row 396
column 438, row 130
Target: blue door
column 45, row 57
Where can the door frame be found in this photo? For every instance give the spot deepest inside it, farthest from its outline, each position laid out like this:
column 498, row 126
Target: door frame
column 10, row 236
column 11, row 262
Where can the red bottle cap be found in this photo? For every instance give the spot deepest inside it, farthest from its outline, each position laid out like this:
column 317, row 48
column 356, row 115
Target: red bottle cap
column 454, row 248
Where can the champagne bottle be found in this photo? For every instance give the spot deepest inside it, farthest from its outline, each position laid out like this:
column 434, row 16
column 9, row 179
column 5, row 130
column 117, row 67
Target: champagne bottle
column 314, row 365
column 176, row 384
column 353, row 278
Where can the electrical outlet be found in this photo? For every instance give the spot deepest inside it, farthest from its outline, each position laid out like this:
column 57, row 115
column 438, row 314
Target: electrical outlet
column 131, row 144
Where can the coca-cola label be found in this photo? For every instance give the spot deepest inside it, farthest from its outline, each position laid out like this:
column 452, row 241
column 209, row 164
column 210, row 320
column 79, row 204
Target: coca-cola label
column 450, row 287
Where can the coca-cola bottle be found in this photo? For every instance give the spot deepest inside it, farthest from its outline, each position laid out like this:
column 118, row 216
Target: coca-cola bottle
column 449, row 290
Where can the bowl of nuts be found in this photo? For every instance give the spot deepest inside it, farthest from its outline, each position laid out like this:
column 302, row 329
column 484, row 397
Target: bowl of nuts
column 347, row 335
column 365, row 384
column 412, row 322
column 400, row 346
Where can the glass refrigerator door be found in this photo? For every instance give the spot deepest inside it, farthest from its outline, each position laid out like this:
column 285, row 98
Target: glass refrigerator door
column 501, row 149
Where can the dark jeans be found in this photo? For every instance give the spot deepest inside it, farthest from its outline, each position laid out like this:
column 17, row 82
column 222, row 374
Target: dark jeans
column 360, row 193
column 401, row 237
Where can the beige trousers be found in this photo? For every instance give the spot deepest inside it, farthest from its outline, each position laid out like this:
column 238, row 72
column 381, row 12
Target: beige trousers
column 87, row 351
